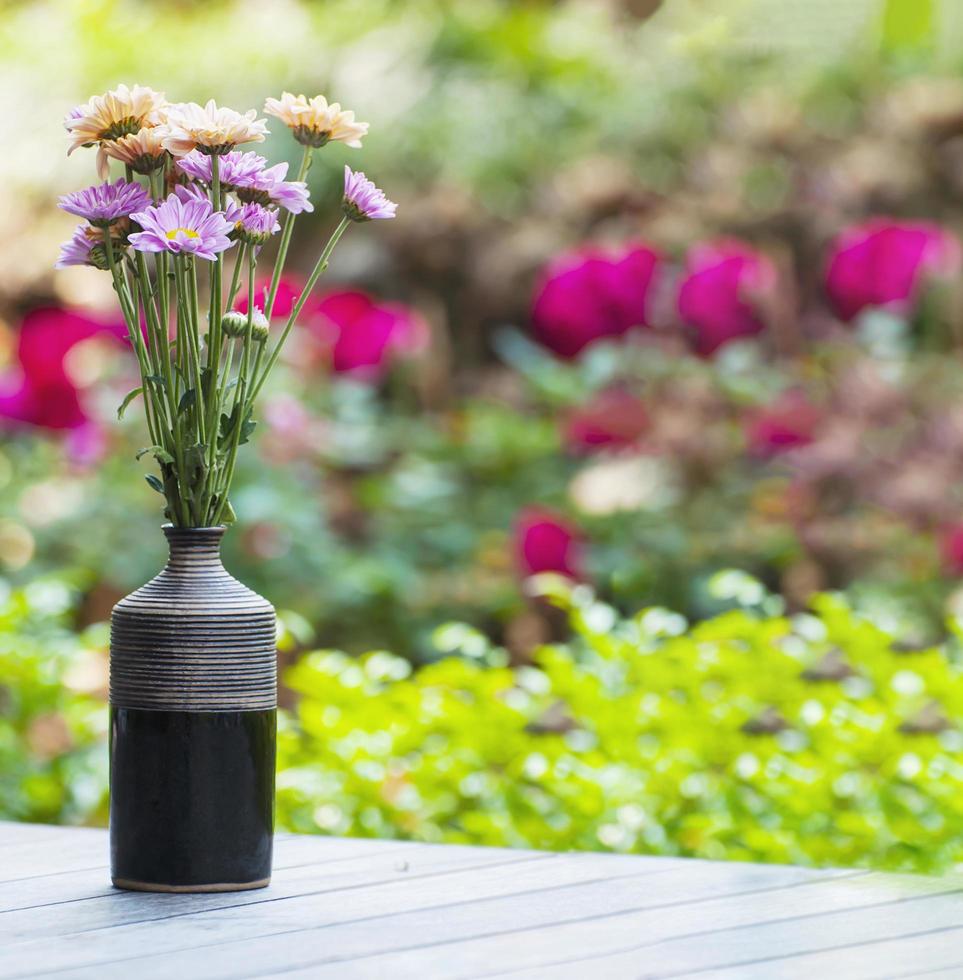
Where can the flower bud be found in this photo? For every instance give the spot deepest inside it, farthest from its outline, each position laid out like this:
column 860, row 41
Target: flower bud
column 234, row 324
column 259, row 327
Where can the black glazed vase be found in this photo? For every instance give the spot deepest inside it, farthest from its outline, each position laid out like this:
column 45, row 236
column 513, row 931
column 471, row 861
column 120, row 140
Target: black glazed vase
column 193, row 719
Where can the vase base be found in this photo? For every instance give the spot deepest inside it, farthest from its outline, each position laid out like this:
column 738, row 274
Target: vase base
column 147, row 886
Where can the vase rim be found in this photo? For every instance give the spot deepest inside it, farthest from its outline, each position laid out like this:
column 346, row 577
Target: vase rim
column 175, row 529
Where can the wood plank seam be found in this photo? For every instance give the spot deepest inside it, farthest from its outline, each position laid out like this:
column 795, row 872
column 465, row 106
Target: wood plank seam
column 522, row 929
column 683, row 937
column 793, row 956
column 120, row 895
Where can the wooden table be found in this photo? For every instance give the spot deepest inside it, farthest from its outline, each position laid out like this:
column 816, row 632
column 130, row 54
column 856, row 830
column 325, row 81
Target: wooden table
column 358, row 908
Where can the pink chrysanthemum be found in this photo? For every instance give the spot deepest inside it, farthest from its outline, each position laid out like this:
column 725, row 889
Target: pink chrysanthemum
column 270, row 187
column 190, row 192
column 234, row 168
column 253, row 181
column 192, row 227
column 104, row 203
column 85, row 247
column 363, row 201
column 255, row 224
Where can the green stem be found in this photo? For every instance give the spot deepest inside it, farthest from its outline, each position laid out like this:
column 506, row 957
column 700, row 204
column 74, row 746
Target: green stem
column 316, row 272
column 240, row 399
column 286, row 231
column 195, row 339
column 214, row 336
column 235, row 279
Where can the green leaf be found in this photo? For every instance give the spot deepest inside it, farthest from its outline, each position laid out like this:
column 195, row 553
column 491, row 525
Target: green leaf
column 196, row 458
column 155, row 483
column 157, row 380
column 128, row 398
column 246, row 429
column 160, row 454
column 187, row 401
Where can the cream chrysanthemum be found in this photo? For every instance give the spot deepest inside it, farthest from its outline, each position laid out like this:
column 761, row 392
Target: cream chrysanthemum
column 210, row 129
column 143, row 152
column 314, row 122
column 108, row 117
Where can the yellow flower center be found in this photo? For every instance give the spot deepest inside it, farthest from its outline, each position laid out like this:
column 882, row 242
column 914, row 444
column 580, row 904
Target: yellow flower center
column 174, row 232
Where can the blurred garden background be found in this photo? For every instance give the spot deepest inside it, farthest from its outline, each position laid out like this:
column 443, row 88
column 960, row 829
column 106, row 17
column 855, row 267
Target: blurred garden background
column 611, row 496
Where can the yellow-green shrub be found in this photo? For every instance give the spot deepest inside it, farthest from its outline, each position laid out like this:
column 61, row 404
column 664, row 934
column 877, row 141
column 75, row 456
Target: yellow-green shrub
column 810, row 739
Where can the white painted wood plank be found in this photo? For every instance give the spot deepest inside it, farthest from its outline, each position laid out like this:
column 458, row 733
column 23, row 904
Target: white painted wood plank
column 912, row 956
column 362, row 908
column 572, row 949
column 417, row 913
column 348, row 867
column 21, row 833
column 953, row 972
column 30, row 859
column 754, row 951
column 85, row 899
column 170, row 922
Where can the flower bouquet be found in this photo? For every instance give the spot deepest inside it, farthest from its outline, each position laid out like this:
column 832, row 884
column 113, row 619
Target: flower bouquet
column 181, row 233
column 193, row 665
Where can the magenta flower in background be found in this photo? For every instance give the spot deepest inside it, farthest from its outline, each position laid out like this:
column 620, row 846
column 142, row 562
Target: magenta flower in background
column 191, row 227
column 39, row 391
column 589, row 294
column 788, row 423
column 363, row 201
column 363, row 336
column 951, row 548
column 717, row 297
column 288, row 293
column 885, row 263
column 546, row 542
column 104, row 203
column 612, row 419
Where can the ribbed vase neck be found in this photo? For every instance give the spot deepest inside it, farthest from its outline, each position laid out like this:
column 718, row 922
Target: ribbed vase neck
column 193, row 548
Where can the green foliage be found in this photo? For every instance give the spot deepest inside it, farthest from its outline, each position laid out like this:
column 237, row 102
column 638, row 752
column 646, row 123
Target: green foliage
column 751, row 736
column 53, row 766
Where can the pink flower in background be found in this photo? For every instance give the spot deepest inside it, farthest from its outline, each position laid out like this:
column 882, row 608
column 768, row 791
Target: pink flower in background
column 885, row 263
column 40, row 392
column 717, row 297
column 788, row 423
column 590, row 294
column 289, row 289
column 546, row 542
column 613, row 419
column 951, row 548
column 362, row 335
